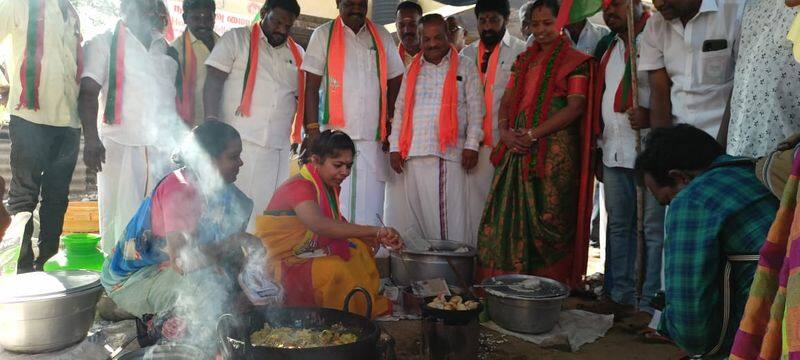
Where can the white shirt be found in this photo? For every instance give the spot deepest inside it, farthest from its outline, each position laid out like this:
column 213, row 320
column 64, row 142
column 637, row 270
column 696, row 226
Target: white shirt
column 148, row 91
column 58, row 90
column 619, row 139
column 427, row 105
column 274, row 93
column 587, row 41
column 361, row 86
column 701, row 80
column 510, row 48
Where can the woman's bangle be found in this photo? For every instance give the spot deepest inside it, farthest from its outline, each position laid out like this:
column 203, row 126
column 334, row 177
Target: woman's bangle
column 312, row 126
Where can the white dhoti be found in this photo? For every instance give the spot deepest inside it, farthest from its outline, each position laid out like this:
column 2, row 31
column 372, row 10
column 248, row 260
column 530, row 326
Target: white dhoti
column 479, row 182
column 129, row 175
column 263, row 171
column 363, row 191
column 427, row 200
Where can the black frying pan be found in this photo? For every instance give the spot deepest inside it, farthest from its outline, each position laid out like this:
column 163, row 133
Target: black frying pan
column 235, row 333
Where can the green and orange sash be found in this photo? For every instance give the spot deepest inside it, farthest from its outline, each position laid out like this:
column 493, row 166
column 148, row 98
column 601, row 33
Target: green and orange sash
column 333, row 106
column 297, row 126
column 186, row 103
column 116, row 76
column 488, row 79
column 30, row 73
column 448, row 111
column 250, row 76
column 622, row 98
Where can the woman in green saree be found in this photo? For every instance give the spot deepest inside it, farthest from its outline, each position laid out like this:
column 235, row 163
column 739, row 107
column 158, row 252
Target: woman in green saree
column 535, row 220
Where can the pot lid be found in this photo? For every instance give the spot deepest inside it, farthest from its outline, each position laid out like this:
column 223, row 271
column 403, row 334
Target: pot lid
column 37, row 285
column 440, row 248
column 525, row 287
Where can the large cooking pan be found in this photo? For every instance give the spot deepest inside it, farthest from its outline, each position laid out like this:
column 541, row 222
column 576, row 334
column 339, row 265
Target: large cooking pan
column 235, row 332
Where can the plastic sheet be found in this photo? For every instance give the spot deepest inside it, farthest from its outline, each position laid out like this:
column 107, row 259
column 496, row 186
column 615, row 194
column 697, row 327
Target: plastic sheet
column 575, row 328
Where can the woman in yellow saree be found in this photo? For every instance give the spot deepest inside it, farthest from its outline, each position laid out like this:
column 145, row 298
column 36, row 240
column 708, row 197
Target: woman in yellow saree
column 316, row 255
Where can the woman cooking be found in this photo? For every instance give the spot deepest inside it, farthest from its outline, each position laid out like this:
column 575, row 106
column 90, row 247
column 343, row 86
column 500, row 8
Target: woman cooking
column 312, row 250
column 177, row 254
column 531, row 220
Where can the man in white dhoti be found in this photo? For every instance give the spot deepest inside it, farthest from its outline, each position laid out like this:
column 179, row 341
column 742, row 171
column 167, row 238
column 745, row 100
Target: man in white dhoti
column 362, row 71
column 256, row 92
column 435, row 139
column 492, row 57
column 140, row 125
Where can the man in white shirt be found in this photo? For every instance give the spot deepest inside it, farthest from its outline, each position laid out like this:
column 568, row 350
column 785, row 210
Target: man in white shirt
column 494, row 54
column 193, row 47
column 265, row 131
column 361, row 100
column 140, row 126
column 426, row 197
column 618, row 142
column 689, row 48
column 40, row 90
column 407, row 22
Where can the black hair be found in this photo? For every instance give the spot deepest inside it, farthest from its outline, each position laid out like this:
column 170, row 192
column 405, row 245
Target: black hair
column 212, row 137
column 681, row 147
column 189, row 5
column 550, row 4
column 289, row 5
column 409, row 5
column 433, row 18
column 501, row 6
column 329, row 143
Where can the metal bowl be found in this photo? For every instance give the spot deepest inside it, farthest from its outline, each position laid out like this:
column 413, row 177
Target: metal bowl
column 42, row 312
column 517, row 309
column 414, row 265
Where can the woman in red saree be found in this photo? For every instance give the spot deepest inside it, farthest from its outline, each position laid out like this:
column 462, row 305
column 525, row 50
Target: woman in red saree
column 316, row 255
column 535, row 221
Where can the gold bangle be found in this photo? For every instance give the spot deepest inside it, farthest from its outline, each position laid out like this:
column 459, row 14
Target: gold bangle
column 312, row 126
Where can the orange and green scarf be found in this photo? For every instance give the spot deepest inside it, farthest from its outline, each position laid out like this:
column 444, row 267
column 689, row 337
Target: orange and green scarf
column 250, row 76
column 116, row 76
column 448, row 111
column 31, row 69
column 186, row 102
column 488, row 79
column 622, row 98
column 333, row 106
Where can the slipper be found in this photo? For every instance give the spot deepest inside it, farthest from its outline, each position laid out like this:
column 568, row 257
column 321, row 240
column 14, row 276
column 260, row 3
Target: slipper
column 651, row 336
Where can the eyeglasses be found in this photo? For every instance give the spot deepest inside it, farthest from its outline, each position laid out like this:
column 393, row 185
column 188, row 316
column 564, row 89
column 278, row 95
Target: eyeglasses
column 454, row 29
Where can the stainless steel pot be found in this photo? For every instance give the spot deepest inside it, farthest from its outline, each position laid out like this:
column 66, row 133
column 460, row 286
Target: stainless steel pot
column 42, row 312
column 518, row 309
column 431, row 264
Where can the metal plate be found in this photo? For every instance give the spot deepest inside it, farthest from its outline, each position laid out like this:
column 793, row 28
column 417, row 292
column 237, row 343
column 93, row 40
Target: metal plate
column 442, row 248
column 526, row 287
column 40, row 285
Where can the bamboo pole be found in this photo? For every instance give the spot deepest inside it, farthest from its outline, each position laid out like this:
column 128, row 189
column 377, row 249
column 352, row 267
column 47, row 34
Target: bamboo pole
column 640, row 244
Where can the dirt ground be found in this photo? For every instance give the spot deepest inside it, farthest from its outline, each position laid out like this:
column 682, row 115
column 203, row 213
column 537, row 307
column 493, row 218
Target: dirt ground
column 621, row 342
column 617, row 344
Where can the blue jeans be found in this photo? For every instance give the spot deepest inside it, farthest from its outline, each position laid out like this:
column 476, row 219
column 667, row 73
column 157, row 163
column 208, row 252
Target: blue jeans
column 620, row 265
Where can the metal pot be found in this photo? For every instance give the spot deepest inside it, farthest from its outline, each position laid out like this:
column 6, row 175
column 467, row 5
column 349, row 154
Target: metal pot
column 42, row 312
column 416, row 265
column 517, row 309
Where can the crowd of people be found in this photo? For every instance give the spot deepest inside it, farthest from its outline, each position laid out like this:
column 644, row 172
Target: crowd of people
column 500, row 144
